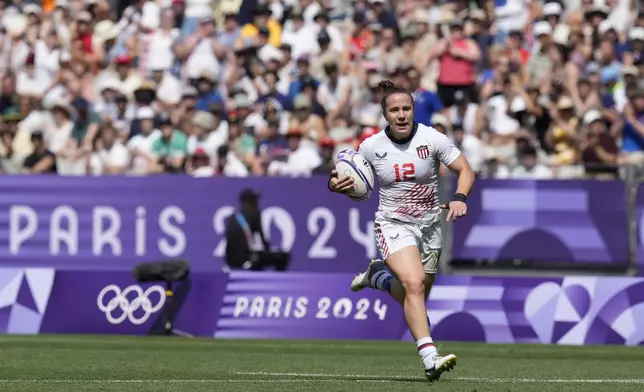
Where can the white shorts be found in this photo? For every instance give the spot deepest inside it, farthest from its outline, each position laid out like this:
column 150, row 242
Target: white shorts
column 393, row 235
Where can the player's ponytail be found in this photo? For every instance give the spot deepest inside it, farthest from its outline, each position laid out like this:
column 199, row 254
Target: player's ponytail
column 386, row 85
column 389, row 88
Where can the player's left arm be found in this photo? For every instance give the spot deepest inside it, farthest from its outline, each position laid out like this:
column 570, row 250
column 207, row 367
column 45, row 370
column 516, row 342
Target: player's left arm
column 450, row 156
column 465, row 174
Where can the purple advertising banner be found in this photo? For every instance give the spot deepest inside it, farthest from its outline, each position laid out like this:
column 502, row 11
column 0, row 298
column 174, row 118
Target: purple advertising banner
column 544, row 221
column 115, row 222
column 43, row 300
column 570, row 310
column 305, row 306
column 113, row 303
column 257, row 305
column 639, row 216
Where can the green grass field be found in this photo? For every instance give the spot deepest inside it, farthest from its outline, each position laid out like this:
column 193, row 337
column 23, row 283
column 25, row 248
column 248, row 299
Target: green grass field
column 97, row 363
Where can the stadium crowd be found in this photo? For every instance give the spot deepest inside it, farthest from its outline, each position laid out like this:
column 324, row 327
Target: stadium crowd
column 527, row 89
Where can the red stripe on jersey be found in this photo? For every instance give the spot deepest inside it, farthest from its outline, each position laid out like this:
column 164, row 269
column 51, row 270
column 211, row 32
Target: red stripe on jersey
column 381, row 241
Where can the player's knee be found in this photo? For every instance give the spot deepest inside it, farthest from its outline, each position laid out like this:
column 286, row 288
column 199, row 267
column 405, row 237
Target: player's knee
column 414, row 285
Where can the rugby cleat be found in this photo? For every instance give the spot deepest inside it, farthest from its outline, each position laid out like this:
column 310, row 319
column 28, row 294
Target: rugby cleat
column 363, row 279
column 441, row 365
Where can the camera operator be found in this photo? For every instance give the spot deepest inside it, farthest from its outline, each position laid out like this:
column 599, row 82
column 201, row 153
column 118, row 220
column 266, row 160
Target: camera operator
column 246, row 244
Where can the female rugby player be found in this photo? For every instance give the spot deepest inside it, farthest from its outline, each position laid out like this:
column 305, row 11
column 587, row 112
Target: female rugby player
column 406, row 158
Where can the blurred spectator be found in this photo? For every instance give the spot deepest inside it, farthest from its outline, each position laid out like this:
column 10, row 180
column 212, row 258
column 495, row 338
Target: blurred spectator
column 206, row 133
column 525, row 89
column 41, row 159
column 528, row 167
column 327, row 154
column 170, row 148
column 111, row 156
column 633, row 129
column 200, row 164
column 10, row 161
column 426, row 102
column 457, row 55
column 599, row 149
column 140, row 145
column 300, row 160
column 468, row 143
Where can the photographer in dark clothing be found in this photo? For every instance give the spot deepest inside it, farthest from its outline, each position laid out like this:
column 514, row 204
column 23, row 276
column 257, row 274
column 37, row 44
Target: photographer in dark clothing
column 242, row 228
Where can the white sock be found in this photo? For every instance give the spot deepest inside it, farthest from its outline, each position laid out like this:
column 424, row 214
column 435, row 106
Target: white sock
column 426, row 350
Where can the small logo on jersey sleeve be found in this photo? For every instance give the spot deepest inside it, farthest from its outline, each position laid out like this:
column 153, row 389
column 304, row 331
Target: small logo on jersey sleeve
column 423, row 152
column 381, row 156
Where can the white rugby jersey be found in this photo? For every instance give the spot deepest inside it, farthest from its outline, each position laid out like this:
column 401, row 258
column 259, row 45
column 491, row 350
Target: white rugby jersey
column 408, row 172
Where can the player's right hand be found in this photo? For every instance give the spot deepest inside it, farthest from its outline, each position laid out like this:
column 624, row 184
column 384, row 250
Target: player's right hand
column 340, row 185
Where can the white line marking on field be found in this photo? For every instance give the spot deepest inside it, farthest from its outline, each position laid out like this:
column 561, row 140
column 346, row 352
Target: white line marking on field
column 213, row 381
column 319, row 377
column 365, row 377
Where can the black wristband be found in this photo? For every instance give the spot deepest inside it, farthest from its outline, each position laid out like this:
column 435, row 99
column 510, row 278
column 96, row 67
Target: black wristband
column 460, row 197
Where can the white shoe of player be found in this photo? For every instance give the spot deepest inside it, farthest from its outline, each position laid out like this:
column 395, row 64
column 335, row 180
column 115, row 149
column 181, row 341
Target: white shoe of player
column 363, row 279
column 440, row 365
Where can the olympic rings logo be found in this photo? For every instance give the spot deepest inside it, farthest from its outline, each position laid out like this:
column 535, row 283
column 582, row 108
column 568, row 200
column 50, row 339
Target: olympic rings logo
column 128, row 306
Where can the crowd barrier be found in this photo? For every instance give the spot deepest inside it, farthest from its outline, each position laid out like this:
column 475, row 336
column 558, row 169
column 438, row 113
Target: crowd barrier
column 116, row 222
column 273, row 305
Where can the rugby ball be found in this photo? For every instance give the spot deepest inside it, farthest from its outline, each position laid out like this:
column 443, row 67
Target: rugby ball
column 350, row 163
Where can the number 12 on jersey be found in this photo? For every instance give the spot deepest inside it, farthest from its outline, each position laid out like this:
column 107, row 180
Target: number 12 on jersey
column 405, row 172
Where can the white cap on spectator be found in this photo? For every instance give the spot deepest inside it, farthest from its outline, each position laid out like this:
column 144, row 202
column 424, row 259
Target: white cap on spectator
column 204, row 120
column 439, row 119
column 242, row 101
column 270, row 53
column 637, row 34
column 301, row 101
column 105, row 30
column 592, row 116
column 145, row 113
column 421, row 16
column 630, row 70
column 160, row 64
column 31, row 9
column 598, row 7
column 447, row 16
column 605, row 26
column 189, row 91
column 64, row 107
column 84, row 16
column 541, row 28
column 368, row 120
column 477, row 14
column 65, row 56
column 109, row 83
column 552, row 9
column 565, row 102
column 561, row 34
column 15, row 24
